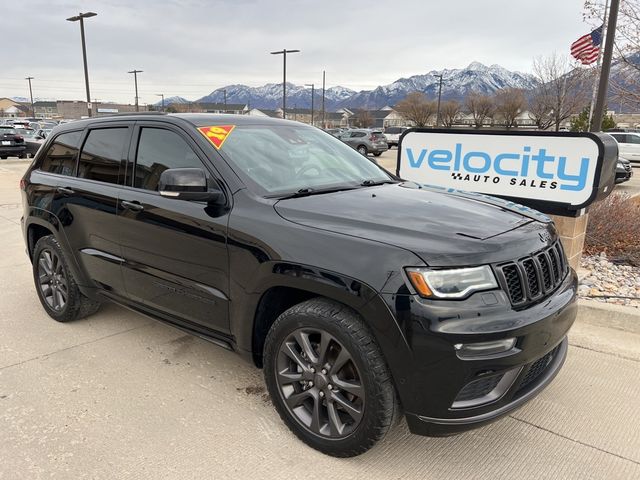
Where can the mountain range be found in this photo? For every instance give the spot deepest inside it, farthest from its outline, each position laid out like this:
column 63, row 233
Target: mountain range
column 456, row 83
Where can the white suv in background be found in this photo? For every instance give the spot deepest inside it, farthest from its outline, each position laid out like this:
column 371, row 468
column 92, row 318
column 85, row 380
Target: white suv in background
column 392, row 134
column 628, row 146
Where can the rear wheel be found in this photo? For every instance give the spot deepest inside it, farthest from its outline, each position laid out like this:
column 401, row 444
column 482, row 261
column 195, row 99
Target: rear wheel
column 328, row 379
column 377, row 154
column 3, row 157
column 56, row 287
column 362, row 149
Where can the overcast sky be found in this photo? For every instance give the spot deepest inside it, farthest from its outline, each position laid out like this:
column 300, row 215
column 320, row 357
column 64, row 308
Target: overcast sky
column 189, row 48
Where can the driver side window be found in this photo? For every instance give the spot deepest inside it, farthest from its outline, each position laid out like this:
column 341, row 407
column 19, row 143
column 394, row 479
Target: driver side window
column 159, row 150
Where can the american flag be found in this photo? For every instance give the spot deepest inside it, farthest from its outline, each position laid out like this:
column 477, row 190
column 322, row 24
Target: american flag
column 587, row 47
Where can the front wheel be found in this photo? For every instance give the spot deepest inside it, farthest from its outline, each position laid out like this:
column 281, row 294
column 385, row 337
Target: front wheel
column 328, row 379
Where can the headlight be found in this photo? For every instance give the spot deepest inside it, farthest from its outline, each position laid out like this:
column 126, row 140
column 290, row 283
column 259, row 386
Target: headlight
column 454, row 283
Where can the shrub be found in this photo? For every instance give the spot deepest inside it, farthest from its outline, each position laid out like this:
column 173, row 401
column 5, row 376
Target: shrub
column 614, row 228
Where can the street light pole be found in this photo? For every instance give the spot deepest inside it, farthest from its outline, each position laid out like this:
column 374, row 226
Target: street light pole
column 135, row 79
column 324, row 125
column 225, row 100
column 284, row 52
column 80, row 17
column 603, row 87
column 161, row 95
column 33, row 110
column 439, row 97
column 313, row 89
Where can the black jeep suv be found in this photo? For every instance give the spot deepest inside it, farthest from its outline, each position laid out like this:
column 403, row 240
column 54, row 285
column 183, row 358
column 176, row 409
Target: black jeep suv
column 355, row 291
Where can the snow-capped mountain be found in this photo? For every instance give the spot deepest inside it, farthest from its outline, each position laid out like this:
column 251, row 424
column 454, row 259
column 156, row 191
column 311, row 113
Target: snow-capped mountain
column 456, row 83
column 172, row 100
column 270, row 96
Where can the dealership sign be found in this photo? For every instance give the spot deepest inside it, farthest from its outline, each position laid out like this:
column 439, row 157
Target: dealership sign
column 534, row 168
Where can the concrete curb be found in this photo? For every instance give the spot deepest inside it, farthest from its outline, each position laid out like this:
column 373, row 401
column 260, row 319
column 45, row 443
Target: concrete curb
column 617, row 317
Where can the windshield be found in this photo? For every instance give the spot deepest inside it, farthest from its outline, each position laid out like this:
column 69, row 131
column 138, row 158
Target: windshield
column 283, row 159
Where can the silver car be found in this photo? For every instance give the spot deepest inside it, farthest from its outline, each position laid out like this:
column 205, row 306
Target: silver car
column 365, row 141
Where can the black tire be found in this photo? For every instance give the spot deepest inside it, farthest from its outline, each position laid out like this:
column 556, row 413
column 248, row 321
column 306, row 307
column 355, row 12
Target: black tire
column 368, row 386
column 377, row 154
column 3, row 157
column 362, row 149
column 57, row 289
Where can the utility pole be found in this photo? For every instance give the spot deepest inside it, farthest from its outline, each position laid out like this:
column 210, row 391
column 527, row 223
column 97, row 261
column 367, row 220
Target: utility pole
column 324, row 124
column 225, row 100
column 284, row 52
column 161, row 95
column 33, row 110
column 313, row 89
column 135, row 79
column 606, row 67
column 80, row 17
column 439, row 97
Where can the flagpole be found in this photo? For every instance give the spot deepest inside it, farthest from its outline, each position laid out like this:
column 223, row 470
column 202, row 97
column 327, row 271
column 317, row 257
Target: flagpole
column 596, row 78
column 603, row 87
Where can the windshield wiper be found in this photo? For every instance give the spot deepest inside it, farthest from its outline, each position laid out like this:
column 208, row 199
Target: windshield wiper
column 307, row 191
column 373, row 183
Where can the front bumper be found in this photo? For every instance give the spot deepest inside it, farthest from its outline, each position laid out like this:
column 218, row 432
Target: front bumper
column 442, row 393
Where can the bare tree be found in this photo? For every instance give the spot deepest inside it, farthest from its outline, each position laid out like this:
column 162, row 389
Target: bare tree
column 539, row 109
column 562, row 84
column 509, row 102
column 362, row 119
column 449, row 112
column 626, row 69
column 480, row 107
column 416, row 107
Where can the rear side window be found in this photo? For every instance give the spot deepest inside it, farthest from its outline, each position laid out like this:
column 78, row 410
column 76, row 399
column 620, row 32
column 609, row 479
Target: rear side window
column 620, row 138
column 102, row 154
column 61, row 155
column 158, row 150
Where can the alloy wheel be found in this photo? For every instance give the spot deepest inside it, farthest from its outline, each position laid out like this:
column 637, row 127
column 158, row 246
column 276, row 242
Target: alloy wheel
column 52, row 282
column 320, row 383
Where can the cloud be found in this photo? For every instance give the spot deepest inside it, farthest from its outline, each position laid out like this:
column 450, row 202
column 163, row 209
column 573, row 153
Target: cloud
column 189, row 48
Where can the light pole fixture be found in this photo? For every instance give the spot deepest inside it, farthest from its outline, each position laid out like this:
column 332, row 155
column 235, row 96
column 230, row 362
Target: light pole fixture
column 33, row 110
column 135, row 79
column 161, row 95
column 439, row 97
column 80, row 17
column 284, row 52
column 313, row 89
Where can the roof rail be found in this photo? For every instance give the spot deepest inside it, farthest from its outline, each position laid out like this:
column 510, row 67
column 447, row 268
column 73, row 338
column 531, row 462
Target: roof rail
column 125, row 114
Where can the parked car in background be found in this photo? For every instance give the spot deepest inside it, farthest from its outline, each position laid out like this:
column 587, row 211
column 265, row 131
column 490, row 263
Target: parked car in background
column 43, row 132
column 365, row 141
column 628, row 145
column 32, row 141
column 392, row 134
column 336, row 132
column 11, row 142
column 624, row 172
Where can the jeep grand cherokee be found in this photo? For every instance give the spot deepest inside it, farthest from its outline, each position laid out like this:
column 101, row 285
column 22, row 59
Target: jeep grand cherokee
column 355, row 291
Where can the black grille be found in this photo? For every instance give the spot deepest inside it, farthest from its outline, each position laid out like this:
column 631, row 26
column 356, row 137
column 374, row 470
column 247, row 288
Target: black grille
column 514, row 285
column 478, row 388
column 531, row 278
column 536, row 369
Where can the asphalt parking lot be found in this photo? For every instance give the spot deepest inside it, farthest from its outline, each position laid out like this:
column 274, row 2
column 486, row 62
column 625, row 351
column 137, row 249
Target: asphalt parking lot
column 121, row 396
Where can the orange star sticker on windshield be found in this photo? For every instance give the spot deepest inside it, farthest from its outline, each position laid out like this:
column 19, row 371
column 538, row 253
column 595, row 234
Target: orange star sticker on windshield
column 216, row 134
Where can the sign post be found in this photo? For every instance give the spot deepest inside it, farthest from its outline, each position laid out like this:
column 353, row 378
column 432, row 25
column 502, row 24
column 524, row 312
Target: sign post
column 559, row 174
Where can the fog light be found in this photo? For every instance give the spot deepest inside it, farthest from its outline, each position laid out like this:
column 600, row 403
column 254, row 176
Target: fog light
column 484, row 349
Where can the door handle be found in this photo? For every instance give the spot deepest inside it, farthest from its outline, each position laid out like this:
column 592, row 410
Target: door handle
column 133, row 206
column 65, row 190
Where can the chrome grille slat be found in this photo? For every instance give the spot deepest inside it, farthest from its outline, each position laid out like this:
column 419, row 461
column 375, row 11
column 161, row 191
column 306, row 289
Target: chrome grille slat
column 531, row 278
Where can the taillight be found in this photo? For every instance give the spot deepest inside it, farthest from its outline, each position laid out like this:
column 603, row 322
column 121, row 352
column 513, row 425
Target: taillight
column 23, row 184
column 372, row 138
column 19, row 137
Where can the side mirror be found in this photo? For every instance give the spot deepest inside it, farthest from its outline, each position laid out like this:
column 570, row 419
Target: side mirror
column 188, row 184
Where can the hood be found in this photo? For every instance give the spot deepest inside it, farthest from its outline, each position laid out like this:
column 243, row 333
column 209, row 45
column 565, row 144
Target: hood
column 442, row 228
